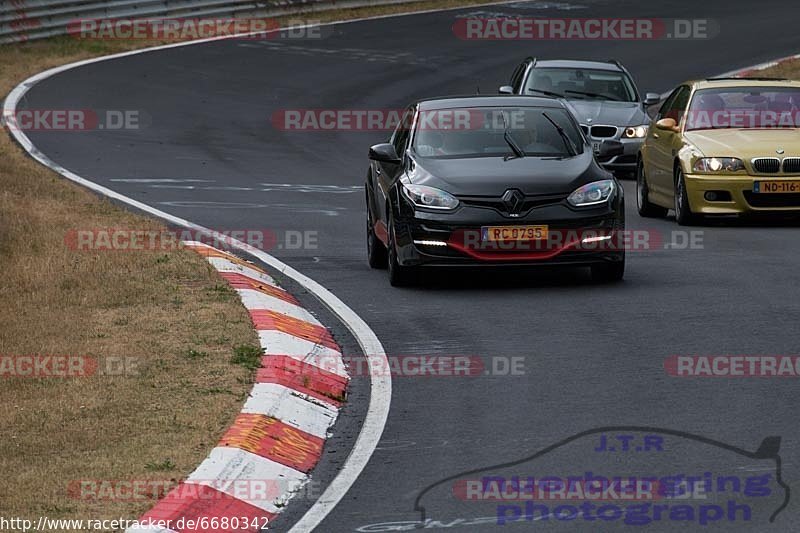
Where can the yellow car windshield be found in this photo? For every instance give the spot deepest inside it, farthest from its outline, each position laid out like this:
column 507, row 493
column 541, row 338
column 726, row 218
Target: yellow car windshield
column 744, row 108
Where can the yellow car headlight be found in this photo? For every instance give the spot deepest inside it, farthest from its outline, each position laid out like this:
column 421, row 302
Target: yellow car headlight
column 713, row 165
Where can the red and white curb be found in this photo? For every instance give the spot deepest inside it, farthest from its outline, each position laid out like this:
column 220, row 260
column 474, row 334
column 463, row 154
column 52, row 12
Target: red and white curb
column 266, row 455
column 744, row 72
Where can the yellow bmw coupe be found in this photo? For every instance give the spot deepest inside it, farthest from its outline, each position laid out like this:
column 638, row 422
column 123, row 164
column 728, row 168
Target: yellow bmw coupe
column 722, row 146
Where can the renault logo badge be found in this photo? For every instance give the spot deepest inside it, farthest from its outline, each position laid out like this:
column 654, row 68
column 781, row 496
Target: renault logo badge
column 512, row 200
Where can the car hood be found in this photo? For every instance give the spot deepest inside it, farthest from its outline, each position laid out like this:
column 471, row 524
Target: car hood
column 608, row 112
column 492, row 176
column 746, row 143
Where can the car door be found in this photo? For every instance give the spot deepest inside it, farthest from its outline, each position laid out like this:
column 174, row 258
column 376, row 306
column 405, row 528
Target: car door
column 663, row 145
column 652, row 151
column 387, row 173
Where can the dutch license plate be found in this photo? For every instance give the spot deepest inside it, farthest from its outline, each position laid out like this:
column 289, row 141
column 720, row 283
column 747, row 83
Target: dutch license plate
column 514, row 233
column 776, row 187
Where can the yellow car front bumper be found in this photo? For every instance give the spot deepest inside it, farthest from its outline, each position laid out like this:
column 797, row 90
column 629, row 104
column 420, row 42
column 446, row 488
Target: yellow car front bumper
column 742, row 198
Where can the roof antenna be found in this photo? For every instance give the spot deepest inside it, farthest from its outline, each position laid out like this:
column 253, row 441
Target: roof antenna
column 478, row 89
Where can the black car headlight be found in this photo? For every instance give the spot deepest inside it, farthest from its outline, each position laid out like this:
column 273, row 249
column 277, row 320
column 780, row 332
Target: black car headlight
column 594, row 193
column 429, row 197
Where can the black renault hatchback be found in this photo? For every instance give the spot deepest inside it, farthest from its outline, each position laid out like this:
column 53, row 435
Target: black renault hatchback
column 492, row 180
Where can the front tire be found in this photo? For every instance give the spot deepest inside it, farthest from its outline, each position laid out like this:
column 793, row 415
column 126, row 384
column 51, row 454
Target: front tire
column 683, row 213
column 399, row 275
column 643, row 204
column 377, row 255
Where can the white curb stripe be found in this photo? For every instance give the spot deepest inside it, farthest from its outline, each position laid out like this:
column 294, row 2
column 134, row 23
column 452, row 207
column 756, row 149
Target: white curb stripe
column 279, row 343
column 248, row 477
column 276, row 342
column 292, row 408
column 255, row 300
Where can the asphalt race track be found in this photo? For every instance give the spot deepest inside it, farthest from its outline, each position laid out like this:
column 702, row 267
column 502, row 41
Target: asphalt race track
column 594, row 355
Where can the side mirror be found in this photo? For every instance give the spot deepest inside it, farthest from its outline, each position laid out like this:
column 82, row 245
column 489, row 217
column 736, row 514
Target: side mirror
column 506, row 89
column 652, row 99
column 385, row 153
column 610, row 148
column 667, row 124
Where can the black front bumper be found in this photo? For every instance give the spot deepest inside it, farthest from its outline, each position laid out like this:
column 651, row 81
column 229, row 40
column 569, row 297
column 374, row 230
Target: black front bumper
column 455, row 239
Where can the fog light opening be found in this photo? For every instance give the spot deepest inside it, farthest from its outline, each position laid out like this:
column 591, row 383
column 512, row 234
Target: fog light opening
column 717, row 196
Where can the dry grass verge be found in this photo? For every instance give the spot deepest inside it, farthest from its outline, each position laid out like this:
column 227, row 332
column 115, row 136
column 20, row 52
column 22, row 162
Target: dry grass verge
column 164, row 320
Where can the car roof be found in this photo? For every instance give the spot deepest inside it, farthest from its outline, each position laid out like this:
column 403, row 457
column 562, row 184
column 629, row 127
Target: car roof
column 724, row 83
column 452, row 102
column 570, row 63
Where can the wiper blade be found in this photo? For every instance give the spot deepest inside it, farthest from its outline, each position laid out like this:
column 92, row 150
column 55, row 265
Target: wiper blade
column 564, row 137
column 510, row 140
column 594, row 95
column 548, row 93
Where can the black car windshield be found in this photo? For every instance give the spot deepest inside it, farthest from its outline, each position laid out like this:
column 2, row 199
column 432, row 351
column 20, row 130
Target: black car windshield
column 581, row 83
column 491, row 132
column 744, row 107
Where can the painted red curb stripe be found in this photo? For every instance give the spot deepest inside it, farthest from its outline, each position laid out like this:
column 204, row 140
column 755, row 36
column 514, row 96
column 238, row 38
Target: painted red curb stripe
column 196, row 502
column 270, row 438
column 264, row 319
column 304, row 369
column 310, row 383
column 240, row 281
